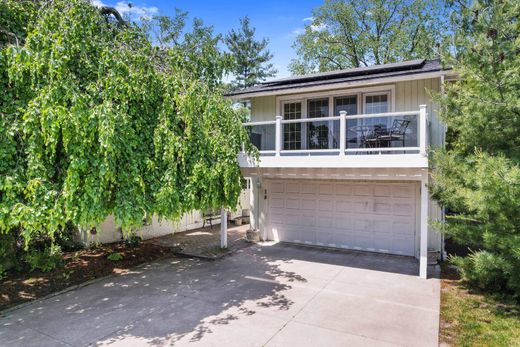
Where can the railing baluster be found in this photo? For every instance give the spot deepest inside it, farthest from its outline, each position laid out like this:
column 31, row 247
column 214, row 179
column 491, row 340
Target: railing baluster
column 342, row 132
column 422, row 129
column 278, row 136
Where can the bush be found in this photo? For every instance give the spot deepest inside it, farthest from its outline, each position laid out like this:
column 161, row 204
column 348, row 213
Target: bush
column 115, row 256
column 133, row 241
column 45, row 260
column 484, row 270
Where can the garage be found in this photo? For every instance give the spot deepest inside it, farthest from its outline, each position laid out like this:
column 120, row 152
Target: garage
column 368, row 216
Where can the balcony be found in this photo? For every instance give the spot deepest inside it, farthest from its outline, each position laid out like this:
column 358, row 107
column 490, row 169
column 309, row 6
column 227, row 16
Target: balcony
column 397, row 139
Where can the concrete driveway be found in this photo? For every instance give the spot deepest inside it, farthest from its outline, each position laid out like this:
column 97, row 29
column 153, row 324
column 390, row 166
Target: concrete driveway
column 277, row 295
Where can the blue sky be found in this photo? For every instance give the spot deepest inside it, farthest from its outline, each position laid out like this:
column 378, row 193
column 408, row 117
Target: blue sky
column 278, row 20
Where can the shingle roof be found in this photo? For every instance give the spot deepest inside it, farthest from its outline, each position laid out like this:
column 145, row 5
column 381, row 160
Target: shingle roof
column 406, row 68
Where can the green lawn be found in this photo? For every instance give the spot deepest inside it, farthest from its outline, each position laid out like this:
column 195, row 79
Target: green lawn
column 476, row 319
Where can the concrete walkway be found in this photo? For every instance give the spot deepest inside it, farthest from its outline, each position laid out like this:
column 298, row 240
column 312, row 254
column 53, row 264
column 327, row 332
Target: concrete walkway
column 276, row 295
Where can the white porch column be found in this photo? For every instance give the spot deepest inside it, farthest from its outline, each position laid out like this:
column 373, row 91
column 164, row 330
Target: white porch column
column 342, row 132
column 278, row 136
column 223, row 228
column 423, row 260
column 423, row 129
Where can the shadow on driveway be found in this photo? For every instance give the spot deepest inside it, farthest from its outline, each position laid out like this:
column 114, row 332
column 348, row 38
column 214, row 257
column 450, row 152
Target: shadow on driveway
column 245, row 299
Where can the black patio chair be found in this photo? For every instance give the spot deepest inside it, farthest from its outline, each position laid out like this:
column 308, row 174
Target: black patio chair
column 396, row 133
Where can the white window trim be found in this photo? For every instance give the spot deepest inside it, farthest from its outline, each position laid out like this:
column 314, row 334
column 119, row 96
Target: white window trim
column 391, row 100
column 332, row 94
column 303, row 130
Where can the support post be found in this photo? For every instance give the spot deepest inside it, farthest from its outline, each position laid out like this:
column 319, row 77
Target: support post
column 423, row 260
column 342, row 132
column 223, row 228
column 423, row 127
column 278, row 136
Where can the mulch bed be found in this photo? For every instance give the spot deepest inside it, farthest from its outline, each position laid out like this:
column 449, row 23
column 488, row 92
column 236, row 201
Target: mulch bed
column 79, row 267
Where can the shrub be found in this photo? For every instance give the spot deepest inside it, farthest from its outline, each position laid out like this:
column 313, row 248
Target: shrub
column 115, row 256
column 133, row 241
column 45, row 260
column 484, row 270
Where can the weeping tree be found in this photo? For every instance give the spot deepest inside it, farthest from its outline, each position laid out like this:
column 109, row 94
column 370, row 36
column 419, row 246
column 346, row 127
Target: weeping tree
column 97, row 121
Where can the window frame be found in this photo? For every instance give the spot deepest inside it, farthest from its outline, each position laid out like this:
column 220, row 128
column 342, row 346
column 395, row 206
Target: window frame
column 360, row 93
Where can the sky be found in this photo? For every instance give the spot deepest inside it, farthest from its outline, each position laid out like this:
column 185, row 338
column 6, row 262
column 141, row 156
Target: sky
column 278, row 20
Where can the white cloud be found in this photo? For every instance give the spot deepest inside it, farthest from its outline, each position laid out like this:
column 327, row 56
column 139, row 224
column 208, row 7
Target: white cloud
column 129, row 9
column 135, row 11
column 314, row 27
column 298, row 31
column 98, row 3
column 318, row 27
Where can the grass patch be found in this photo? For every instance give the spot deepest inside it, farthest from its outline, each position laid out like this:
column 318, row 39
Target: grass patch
column 470, row 318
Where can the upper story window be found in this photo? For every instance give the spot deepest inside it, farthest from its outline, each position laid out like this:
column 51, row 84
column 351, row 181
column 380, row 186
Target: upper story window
column 346, row 103
column 377, row 103
column 318, row 108
column 292, row 133
column 318, row 133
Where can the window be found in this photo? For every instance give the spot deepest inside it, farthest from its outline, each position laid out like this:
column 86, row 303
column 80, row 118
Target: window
column 346, row 103
column 376, row 103
column 349, row 104
column 292, row 133
column 318, row 132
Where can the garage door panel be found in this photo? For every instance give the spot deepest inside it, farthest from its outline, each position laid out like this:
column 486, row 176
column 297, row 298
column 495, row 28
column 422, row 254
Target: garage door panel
column 292, row 203
column 327, row 189
column 324, row 222
column 383, row 191
column 308, row 220
column 343, row 189
column 325, row 239
column 308, row 204
column 403, row 209
column 325, row 205
column 343, row 205
column 403, row 228
column 343, row 223
column 360, row 224
column 309, row 189
column 383, row 206
column 403, row 191
column 277, row 188
column 277, row 202
column 292, row 188
column 361, row 206
column 377, row 217
column 362, row 190
column 293, row 218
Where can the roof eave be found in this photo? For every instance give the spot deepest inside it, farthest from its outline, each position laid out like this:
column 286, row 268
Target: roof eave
column 342, row 85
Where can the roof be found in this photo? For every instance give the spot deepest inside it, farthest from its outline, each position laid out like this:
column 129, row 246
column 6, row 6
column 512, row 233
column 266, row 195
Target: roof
column 407, row 68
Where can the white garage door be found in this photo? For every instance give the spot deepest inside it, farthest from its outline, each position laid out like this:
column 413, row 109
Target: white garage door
column 377, row 217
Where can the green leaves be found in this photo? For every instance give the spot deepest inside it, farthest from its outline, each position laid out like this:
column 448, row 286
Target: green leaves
column 96, row 121
column 478, row 177
column 348, row 34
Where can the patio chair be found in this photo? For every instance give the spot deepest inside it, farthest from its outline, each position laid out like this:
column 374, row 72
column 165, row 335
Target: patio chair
column 373, row 137
column 396, row 133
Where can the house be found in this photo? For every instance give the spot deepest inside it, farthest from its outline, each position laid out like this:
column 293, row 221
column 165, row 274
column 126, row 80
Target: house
column 344, row 158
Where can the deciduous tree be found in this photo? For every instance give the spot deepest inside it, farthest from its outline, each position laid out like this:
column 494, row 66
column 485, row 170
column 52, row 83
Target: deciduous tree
column 348, row 34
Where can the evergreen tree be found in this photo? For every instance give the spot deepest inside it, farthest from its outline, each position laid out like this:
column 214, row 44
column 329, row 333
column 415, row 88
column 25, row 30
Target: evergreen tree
column 250, row 57
column 478, row 177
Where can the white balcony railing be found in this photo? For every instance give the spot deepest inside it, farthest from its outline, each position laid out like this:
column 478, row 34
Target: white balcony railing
column 385, row 133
